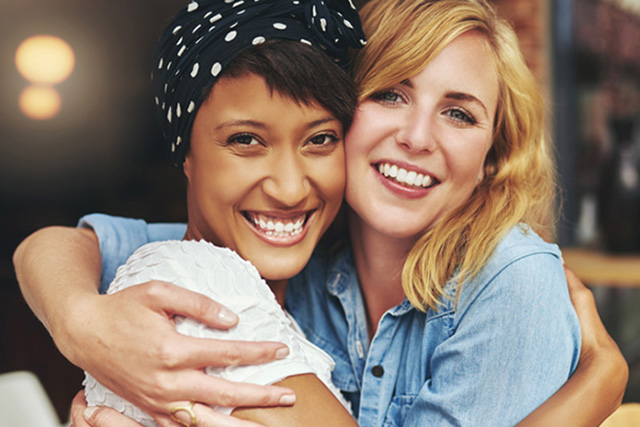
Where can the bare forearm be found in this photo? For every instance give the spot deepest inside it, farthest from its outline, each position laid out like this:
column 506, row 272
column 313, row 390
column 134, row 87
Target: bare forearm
column 315, row 406
column 56, row 267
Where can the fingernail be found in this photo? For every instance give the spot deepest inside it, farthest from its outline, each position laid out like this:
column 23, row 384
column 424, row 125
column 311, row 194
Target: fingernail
column 288, row 399
column 282, row 353
column 88, row 412
column 227, row 316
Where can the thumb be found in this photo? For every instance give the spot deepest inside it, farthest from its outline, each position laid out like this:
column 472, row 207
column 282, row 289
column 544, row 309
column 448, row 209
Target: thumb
column 98, row 416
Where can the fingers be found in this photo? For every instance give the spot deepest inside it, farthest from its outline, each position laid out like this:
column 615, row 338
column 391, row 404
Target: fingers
column 94, row 416
column 220, row 392
column 107, row 417
column 580, row 295
column 207, row 417
column 212, row 352
column 179, row 301
column 78, row 405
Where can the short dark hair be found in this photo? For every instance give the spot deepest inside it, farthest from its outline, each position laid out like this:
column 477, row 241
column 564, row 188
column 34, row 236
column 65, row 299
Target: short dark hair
column 301, row 72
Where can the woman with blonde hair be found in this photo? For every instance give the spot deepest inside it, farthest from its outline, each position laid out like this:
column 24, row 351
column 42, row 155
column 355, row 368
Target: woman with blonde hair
column 518, row 184
column 444, row 307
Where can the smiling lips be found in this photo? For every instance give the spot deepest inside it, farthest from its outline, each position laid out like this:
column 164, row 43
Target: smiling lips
column 404, row 177
column 277, row 227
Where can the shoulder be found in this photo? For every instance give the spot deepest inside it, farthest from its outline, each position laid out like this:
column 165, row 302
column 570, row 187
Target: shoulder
column 139, row 230
column 523, row 267
column 195, row 265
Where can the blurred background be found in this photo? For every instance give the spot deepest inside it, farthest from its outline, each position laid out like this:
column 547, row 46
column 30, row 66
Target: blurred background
column 77, row 135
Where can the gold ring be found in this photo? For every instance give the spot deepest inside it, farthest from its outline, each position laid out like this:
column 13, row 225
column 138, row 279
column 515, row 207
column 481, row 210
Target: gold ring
column 189, row 410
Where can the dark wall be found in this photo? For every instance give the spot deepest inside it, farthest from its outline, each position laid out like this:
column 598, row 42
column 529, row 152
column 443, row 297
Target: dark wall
column 101, row 153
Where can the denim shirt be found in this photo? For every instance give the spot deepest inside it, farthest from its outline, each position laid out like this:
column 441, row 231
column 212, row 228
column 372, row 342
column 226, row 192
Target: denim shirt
column 490, row 358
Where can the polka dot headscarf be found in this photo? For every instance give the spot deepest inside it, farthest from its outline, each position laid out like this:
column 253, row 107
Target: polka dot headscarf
column 207, row 35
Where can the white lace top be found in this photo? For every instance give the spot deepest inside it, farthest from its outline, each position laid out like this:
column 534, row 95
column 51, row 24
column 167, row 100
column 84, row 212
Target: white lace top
column 224, row 276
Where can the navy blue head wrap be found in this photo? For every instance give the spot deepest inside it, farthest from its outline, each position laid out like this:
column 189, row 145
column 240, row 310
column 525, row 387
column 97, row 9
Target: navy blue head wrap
column 205, row 37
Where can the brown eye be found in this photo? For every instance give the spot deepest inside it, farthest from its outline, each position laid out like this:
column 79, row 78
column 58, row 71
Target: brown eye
column 323, row 139
column 243, row 139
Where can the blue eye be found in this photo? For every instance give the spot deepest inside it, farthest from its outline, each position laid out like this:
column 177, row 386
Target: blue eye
column 386, row 96
column 460, row 115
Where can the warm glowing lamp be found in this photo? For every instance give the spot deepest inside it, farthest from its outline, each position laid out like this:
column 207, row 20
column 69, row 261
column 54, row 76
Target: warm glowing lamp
column 45, row 59
column 40, row 103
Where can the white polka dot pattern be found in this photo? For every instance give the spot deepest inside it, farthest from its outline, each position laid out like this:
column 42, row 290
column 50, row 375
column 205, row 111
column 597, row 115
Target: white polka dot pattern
column 209, row 34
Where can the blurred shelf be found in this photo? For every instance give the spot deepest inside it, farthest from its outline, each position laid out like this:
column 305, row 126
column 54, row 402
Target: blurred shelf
column 597, row 268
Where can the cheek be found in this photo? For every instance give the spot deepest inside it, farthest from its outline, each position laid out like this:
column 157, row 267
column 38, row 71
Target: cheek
column 470, row 166
column 331, row 179
column 369, row 121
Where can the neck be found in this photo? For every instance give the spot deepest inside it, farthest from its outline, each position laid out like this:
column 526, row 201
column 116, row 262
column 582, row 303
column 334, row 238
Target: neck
column 379, row 259
column 279, row 288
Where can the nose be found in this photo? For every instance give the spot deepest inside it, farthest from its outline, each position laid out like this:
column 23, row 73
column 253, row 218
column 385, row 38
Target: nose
column 287, row 183
column 416, row 133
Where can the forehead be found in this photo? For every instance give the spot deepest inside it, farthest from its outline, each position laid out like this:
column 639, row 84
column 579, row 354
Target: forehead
column 248, row 99
column 253, row 89
column 467, row 64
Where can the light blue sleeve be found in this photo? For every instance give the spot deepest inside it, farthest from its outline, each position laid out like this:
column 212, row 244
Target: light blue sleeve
column 120, row 237
column 515, row 341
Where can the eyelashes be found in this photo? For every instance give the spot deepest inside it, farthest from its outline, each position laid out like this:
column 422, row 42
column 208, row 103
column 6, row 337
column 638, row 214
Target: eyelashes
column 250, row 143
column 460, row 115
column 393, row 97
column 388, row 96
column 246, row 139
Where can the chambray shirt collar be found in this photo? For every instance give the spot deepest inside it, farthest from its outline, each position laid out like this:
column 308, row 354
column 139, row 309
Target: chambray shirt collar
column 343, row 280
column 364, row 356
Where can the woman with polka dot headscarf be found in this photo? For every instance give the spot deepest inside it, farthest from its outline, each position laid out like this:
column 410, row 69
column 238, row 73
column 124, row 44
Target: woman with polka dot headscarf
column 253, row 102
column 446, row 114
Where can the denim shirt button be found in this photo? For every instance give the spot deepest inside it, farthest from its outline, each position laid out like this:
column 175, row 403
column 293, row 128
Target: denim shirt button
column 377, row 371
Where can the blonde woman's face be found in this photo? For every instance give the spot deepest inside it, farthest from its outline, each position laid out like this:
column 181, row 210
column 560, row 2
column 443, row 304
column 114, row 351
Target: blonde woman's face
column 416, row 151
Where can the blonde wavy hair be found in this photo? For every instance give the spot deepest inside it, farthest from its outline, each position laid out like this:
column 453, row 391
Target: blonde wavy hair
column 519, row 184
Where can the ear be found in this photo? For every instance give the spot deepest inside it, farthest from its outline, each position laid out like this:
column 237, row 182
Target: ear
column 186, row 166
column 480, row 176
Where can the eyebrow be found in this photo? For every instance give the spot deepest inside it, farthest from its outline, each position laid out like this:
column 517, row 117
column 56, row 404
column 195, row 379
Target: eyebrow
column 458, row 96
column 262, row 125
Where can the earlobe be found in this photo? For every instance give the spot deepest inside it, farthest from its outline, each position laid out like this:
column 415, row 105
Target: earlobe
column 186, row 168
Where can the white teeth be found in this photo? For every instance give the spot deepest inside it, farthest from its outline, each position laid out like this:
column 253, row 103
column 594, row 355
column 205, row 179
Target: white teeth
column 411, row 177
column 402, row 176
column 278, row 227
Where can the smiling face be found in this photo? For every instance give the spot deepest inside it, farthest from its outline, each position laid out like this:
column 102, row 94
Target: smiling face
column 415, row 151
column 265, row 175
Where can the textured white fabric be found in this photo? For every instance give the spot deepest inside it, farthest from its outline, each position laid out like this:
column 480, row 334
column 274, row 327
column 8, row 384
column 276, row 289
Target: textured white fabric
column 224, row 276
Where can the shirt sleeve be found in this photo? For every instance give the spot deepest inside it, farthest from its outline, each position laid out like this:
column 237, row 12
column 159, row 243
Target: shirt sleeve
column 221, row 274
column 120, row 237
column 513, row 344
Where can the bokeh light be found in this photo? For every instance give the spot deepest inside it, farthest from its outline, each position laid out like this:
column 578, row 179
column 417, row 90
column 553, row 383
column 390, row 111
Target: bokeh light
column 45, row 59
column 40, row 102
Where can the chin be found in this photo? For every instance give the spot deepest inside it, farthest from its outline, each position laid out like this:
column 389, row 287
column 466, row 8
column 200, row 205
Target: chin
column 274, row 271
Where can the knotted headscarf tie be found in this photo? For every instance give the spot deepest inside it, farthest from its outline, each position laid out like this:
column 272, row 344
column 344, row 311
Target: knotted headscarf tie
column 205, row 37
